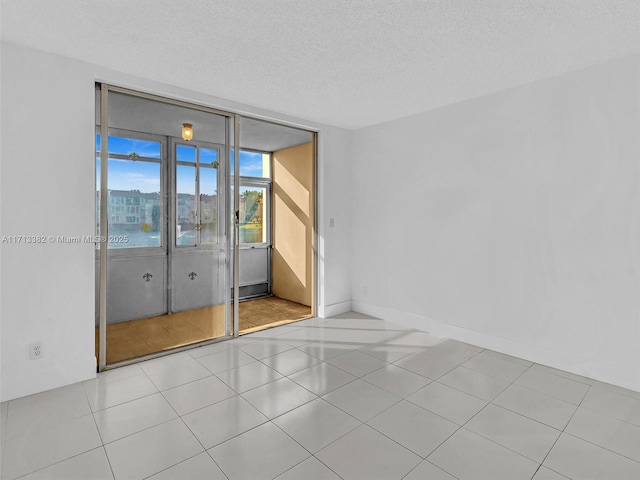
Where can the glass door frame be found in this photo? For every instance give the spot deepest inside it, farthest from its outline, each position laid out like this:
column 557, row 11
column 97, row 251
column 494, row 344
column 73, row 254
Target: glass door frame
column 221, row 181
column 236, row 225
column 261, row 182
column 230, row 324
column 232, row 202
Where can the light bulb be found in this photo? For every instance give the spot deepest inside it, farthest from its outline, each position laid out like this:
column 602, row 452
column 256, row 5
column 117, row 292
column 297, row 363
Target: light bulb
column 187, row 131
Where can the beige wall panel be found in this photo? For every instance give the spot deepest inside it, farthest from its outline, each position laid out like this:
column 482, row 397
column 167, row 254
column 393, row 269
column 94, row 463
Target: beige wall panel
column 292, row 268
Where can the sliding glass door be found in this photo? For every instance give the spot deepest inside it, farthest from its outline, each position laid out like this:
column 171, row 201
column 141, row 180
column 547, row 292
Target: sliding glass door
column 198, row 244
column 274, row 178
column 163, row 265
column 206, row 231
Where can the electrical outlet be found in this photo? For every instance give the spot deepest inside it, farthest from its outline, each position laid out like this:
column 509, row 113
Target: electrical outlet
column 35, row 350
column 332, row 223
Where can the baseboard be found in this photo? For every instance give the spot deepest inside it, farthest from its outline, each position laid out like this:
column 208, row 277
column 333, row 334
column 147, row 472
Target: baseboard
column 336, row 309
column 18, row 385
column 597, row 369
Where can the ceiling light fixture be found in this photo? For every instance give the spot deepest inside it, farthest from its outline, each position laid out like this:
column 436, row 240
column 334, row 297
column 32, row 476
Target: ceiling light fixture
column 187, row 131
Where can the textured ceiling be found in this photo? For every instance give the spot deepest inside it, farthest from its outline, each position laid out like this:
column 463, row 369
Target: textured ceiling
column 349, row 63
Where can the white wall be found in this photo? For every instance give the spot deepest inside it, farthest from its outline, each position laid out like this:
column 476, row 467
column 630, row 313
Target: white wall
column 335, row 185
column 3, row 408
column 511, row 221
column 47, row 183
column 48, row 189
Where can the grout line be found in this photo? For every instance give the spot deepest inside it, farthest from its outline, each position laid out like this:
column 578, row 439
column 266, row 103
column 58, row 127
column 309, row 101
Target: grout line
column 607, row 414
column 603, row 448
column 108, row 459
column 232, row 437
column 542, row 393
column 501, row 445
column 561, row 432
column 320, row 395
column 431, row 463
column 554, row 370
column 470, row 394
column 140, row 431
column 183, row 461
column 405, row 447
column 68, row 458
column 320, row 344
column 483, row 436
column 206, row 452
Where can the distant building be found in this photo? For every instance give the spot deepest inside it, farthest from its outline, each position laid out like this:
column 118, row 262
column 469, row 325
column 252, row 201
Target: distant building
column 132, row 208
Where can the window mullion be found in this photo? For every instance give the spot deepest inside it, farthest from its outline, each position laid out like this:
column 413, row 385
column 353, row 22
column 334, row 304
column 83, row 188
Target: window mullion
column 198, row 225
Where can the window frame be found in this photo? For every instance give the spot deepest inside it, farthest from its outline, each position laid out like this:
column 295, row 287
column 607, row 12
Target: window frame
column 162, row 161
column 174, row 143
column 259, row 182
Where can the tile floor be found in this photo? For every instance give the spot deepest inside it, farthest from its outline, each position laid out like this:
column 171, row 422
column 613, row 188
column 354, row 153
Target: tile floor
column 136, row 338
column 349, row 397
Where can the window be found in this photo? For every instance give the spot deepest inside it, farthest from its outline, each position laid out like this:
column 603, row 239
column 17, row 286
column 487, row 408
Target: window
column 253, row 227
column 196, row 195
column 253, row 164
column 255, row 196
column 134, row 180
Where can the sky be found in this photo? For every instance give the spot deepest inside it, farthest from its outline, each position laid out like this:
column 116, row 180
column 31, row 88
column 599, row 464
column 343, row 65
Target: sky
column 145, row 176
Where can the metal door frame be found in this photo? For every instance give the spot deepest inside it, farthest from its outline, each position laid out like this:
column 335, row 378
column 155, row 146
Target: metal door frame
column 236, row 188
column 232, row 123
column 105, row 89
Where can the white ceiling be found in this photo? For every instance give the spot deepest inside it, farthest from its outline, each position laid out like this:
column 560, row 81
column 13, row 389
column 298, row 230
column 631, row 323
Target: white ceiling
column 349, row 63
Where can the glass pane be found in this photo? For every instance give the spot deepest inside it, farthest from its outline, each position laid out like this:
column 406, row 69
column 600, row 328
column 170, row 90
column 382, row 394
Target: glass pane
column 131, row 146
column 208, row 205
column 186, row 209
column 97, row 199
column 186, row 153
column 232, row 210
column 231, row 125
column 255, row 164
column 252, row 219
column 209, row 157
column 134, row 204
column 137, row 305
